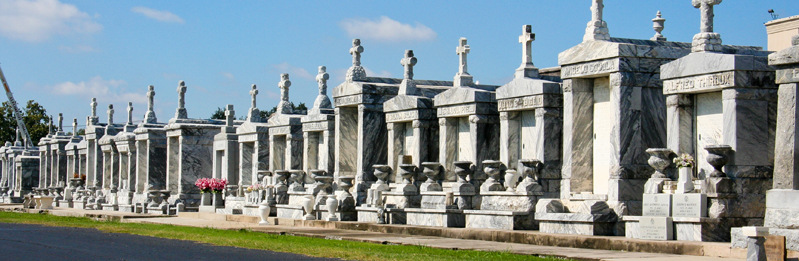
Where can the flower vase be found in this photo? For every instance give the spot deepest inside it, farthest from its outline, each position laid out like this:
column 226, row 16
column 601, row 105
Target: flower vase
column 205, row 199
column 685, row 183
column 332, row 204
column 308, row 206
column 219, row 201
column 263, row 210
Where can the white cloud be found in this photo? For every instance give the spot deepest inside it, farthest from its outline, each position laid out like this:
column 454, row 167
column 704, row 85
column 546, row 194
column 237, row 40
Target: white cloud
column 161, row 16
column 228, row 76
column 293, row 71
column 383, row 73
column 77, row 49
column 38, row 20
column 386, row 29
column 107, row 91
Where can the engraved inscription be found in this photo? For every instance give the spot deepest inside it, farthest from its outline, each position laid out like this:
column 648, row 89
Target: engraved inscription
column 314, row 126
column 402, row 115
column 590, row 68
column 529, row 102
column 456, row 110
column 348, row 100
column 704, row 82
column 280, row 130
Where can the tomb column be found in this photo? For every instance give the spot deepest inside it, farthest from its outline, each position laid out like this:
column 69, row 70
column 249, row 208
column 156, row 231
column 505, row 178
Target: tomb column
column 578, row 123
column 448, row 140
column 746, row 129
column 508, row 150
column 548, row 147
column 679, row 118
column 482, row 142
column 372, row 144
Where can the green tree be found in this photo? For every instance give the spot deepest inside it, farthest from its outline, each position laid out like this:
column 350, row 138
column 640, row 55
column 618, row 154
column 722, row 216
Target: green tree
column 296, row 108
column 219, row 114
column 34, row 116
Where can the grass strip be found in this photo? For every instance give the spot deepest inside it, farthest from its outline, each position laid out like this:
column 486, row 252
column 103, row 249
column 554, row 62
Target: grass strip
column 280, row 243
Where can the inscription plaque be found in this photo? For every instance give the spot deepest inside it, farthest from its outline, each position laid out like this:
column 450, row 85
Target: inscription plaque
column 657, row 205
column 689, row 205
column 655, row 228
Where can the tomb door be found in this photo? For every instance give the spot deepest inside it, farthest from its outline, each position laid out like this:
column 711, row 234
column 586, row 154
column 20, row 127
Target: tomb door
column 604, row 118
column 528, row 135
column 708, row 124
column 279, row 155
column 219, row 156
column 347, row 143
column 409, row 144
column 313, row 149
column 173, row 164
column 465, row 151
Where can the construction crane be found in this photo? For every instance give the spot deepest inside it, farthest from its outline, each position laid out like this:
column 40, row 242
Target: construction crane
column 17, row 113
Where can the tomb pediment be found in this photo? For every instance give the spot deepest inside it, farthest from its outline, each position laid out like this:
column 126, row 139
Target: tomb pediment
column 407, row 102
column 520, row 87
column 252, row 127
column 623, row 47
column 463, row 95
column 279, row 119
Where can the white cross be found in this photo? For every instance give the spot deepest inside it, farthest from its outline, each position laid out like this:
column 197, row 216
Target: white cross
column 408, row 62
column 253, row 93
column 75, row 127
column 230, row 115
column 356, row 51
column 284, row 85
column 150, row 95
column 596, row 10
column 110, row 115
column 182, row 95
column 322, row 78
column 462, row 50
column 706, row 10
column 130, row 114
column 94, row 107
column 526, row 39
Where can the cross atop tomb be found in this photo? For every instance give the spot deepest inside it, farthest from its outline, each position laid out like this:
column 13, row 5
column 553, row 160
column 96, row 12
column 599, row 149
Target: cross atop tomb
column 130, row 114
column 462, row 50
column 356, row 72
column 706, row 40
column 657, row 24
column 527, row 69
column 149, row 116
column 253, row 93
column 230, row 115
column 17, row 142
column 60, row 122
column 110, row 115
column 74, row 127
column 408, row 87
column 93, row 119
column 322, row 101
column 50, row 126
column 597, row 29
column 322, row 78
column 284, row 84
column 181, row 111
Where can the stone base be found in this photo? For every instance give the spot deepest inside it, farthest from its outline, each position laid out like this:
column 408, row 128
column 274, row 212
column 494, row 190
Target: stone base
column 252, row 210
column 435, row 217
column 508, row 220
column 687, row 229
column 233, row 206
column 321, row 214
column 110, row 207
column 782, row 210
column 577, row 228
column 126, row 208
column 289, row 211
column 65, row 203
column 208, row 209
column 79, row 204
column 155, row 210
column 738, row 239
column 369, row 215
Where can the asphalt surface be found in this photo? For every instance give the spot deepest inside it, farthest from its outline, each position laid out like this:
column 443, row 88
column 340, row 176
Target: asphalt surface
column 35, row 242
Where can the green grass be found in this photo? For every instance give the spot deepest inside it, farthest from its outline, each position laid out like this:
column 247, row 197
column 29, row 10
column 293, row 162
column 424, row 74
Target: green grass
column 280, row 243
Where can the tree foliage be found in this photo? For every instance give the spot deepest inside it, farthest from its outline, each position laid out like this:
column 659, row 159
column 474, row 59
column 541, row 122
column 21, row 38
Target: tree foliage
column 297, row 108
column 34, row 116
column 219, row 114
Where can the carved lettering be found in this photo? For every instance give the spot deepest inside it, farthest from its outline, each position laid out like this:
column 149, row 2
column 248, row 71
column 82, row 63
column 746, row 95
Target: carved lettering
column 402, row 116
column 591, row 68
column 456, row 110
column 704, row 82
column 315, row 126
column 280, row 130
column 348, row 100
column 529, row 102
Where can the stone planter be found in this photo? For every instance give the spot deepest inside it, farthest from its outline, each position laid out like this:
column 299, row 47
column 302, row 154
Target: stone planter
column 263, row 211
column 492, row 170
column 717, row 157
column 332, row 205
column 205, row 199
column 685, row 183
column 308, row 206
column 530, row 169
column 431, row 170
column 219, row 200
column 659, row 160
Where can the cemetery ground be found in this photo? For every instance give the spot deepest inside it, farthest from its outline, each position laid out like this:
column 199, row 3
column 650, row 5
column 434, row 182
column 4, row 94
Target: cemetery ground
column 245, row 238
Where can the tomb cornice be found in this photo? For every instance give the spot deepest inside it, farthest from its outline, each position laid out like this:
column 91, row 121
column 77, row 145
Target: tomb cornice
column 463, row 95
column 530, row 102
column 711, row 82
column 623, row 47
column 407, row 102
column 520, row 87
column 705, row 63
column 250, row 127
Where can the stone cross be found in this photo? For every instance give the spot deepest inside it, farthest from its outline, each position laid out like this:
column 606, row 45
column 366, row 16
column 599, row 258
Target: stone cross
column 74, row 127
column 597, row 29
column 181, row 113
column 60, row 122
column 253, row 93
column 322, row 78
column 657, row 24
column 130, row 114
column 50, row 126
column 706, row 11
column 356, row 51
column 527, row 69
column 149, row 115
column 110, row 115
column 283, row 106
column 706, row 40
column 462, row 50
column 408, row 62
column 16, row 139
column 230, row 115
column 94, row 107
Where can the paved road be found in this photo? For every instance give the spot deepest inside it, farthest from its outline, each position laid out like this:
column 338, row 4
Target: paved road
column 34, row 242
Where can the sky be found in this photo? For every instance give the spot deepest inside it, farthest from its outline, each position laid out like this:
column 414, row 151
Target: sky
column 61, row 53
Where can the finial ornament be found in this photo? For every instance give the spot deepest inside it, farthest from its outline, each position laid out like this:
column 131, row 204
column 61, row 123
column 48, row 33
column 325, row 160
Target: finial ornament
column 284, row 106
column 356, row 72
column 74, row 127
column 706, row 40
column 230, row 115
column 463, row 78
column 322, row 101
column 408, row 87
column 527, row 69
column 60, row 123
column 597, row 29
column 658, row 23
column 110, row 115
column 181, row 112
column 93, row 120
column 130, row 114
column 254, row 114
column 149, row 115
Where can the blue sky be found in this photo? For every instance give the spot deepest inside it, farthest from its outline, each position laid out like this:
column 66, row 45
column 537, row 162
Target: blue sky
column 63, row 52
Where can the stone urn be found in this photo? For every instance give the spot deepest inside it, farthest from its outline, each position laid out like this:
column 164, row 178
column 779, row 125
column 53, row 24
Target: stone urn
column 308, row 206
column 323, row 182
column 463, row 169
column 406, row 172
column 263, row 211
column 344, row 184
column 511, row 177
column 431, row 170
column 165, row 200
column 73, row 182
column 205, row 198
column 530, row 169
column 332, row 205
column 381, row 173
column 154, row 195
column 492, row 168
column 280, row 177
column 717, row 157
column 659, row 159
column 296, row 178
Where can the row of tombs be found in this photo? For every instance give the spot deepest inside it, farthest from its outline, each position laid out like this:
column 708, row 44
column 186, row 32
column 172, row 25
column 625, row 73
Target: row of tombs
column 587, row 148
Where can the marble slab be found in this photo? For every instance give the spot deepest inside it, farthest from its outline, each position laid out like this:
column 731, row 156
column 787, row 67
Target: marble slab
column 689, row 205
column 435, row 217
column 657, row 205
column 655, row 228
